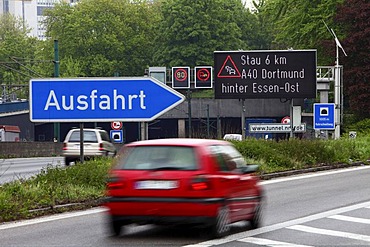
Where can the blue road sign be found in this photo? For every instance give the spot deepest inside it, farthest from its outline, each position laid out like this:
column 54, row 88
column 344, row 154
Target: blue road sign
column 323, row 116
column 116, row 136
column 100, row 99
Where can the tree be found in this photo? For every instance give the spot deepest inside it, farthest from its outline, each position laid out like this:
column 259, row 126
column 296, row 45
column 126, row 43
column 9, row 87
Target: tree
column 190, row 31
column 103, row 37
column 298, row 24
column 354, row 16
column 16, row 52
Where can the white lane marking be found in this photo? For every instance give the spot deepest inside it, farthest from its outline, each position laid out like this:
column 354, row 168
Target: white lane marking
column 314, row 174
column 350, row 219
column 282, row 225
column 272, row 243
column 50, row 218
column 330, row 232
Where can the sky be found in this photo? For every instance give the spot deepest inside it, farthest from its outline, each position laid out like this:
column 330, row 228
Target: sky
column 248, row 3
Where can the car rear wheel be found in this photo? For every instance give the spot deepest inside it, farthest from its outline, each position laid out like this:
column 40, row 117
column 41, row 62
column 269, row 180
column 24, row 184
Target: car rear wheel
column 67, row 161
column 221, row 226
column 116, row 227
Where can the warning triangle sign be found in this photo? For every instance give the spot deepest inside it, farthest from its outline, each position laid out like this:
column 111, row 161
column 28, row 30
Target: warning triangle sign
column 229, row 69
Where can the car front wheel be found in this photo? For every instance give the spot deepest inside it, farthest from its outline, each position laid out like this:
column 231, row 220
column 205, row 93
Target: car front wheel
column 256, row 221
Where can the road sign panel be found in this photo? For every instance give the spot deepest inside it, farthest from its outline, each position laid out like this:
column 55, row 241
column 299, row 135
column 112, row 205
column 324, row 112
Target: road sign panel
column 116, row 136
column 265, row 74
column 203, row 77
column 180, row 77
column 323, row 116
column 158, row 73
column 116, row 125
column 285, row 120
column 100, row 99
column 275, row 128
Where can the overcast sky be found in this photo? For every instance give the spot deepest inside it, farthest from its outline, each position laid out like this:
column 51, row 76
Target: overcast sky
column 249, row 3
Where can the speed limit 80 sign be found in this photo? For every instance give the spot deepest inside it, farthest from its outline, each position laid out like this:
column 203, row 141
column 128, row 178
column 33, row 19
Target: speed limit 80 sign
column 180, row 77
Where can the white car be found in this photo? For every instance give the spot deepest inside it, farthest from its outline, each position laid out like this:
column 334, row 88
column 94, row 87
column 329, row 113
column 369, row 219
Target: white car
column 96, row 142
column 234, row 137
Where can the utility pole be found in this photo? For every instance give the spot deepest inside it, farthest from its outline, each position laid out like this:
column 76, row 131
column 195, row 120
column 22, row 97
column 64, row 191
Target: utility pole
column 188, row 96
column 56, row 74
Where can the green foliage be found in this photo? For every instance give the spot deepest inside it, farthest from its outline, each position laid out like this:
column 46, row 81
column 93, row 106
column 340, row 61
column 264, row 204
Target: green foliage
column 190, row 31
column 363, row 126
column 296, row 154
column 299, row 24
column 54, row 186
column 353, row 16
column 103, row 36
column 16, row 52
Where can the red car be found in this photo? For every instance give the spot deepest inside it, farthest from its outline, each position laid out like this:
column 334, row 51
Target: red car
column 183, row 181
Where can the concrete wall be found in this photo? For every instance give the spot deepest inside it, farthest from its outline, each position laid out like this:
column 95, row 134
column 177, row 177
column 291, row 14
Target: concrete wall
column 32, row 149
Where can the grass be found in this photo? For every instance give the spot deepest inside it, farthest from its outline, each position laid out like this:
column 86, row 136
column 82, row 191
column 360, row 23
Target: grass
column 83, row 185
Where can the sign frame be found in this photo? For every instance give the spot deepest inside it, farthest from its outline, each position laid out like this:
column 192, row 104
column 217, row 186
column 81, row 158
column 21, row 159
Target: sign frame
column 262, row 74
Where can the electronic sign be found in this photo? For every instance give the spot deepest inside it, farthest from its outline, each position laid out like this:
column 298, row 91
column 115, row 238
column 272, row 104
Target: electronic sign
column 203, row 77
column 180, row 77
column 265, row 74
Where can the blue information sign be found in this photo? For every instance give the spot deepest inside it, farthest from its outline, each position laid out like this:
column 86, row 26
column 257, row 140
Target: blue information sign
column 324, row 116
column 116, row 136
column 100, row 99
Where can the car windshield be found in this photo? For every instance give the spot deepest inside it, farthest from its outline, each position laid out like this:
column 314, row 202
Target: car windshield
column 158, row 158
column 89, row 136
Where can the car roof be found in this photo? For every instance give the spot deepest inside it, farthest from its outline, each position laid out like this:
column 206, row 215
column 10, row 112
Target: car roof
column 89, row 129
column 178, row 142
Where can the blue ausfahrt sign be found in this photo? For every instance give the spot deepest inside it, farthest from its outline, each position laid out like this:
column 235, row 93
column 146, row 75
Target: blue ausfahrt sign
column 100, row 99
column 324, row 116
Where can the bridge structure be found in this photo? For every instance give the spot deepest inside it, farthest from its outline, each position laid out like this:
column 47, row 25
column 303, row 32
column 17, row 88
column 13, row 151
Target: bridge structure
column 204, row 110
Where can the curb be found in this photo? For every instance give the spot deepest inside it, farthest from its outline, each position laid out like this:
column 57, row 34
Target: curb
column 309, row 170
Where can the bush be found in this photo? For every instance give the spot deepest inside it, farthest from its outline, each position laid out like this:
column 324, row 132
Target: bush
column 297, row 154
column 54, row 186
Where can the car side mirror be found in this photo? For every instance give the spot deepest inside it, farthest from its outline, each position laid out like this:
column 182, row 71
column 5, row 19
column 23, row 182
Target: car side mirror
column 251, row 169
